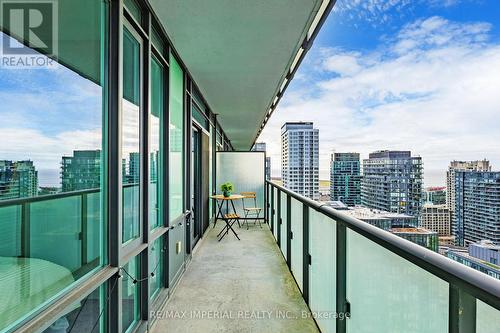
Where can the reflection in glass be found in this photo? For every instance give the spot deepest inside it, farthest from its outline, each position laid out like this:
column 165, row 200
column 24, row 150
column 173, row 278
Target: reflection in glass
column 176, row 144
column 156, row 268
column 131, row 158
column 50, row 176
column 82, row 317
column 130, row 294
column 155, row 147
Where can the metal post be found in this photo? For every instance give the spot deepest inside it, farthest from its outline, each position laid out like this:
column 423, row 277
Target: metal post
column 272, row 209
column 342, row 304
column 114, row 83
column 187, row 164
column 164, row 171
column 306, row 257
column 84, row 228
column 289, row 233
column 145, row 169
column 278, row 219
column 25, row 230
column 462, row 311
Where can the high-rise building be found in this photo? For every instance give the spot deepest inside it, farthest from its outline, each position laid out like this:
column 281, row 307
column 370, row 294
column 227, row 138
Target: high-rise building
column 134, row 174
column 300, row 158
column 18, row 179
column 436, row 218
column 81, row 171
column 477, row 206
column 392, row 181
column 435, row 195
column 261, row 146
column 479, row 165
column 345, row 178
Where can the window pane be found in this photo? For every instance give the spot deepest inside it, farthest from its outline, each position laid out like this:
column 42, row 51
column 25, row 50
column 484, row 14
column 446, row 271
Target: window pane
column 155, row 148
column 157, row 41
column 130, row 294
column 131, row 67
column 82, row 316
column 131, row 158
column 275, row 224
column 199, row 117
column 133, row 9
column 296, row 210
column 155, row 262
column 283, row 225
column 176, row 138
column 51, row 217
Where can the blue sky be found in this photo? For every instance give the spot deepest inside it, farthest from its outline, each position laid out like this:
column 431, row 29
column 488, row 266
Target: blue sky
column 419, row 75
column 46, row 113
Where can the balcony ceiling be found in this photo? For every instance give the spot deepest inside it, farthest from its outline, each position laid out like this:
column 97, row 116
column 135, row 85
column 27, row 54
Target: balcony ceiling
column 238, row 52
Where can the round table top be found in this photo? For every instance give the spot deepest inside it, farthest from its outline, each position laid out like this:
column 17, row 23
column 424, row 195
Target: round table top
column 231, row 197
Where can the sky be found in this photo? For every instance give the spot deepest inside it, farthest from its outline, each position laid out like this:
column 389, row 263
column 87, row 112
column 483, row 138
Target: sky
column 418, row 75
column 47, row 113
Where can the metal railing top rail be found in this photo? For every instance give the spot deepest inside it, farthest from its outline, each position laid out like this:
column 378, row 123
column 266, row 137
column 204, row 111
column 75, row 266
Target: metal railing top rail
column 45, row 197
column 479, row 285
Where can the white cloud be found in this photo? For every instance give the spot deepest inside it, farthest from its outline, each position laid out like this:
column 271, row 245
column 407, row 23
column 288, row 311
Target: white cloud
column 432, row 89
column 46, row 150
column 344, row 64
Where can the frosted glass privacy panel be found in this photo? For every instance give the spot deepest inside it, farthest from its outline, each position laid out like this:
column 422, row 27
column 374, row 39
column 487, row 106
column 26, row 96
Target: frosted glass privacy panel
column 245, row 170
column 296, row 216
column 487, row 318
column 283, row 225
column 390, row 294
column 275, row 215
column 322, row 272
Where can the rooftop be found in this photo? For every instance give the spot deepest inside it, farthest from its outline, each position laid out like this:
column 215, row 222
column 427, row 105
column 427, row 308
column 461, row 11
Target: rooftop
column 487, row 244
column 422, row 231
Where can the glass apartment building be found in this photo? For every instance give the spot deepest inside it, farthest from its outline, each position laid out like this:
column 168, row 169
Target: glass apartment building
column 478, row 165
column 345, row 178
column 300, row 158
column 436, row 195
column 392, row 181
column 477, row 206
column 173, row 94
column 81, row 171
column 18, row 179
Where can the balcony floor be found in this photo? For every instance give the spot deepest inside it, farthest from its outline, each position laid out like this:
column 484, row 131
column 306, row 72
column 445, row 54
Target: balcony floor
column 231, row 277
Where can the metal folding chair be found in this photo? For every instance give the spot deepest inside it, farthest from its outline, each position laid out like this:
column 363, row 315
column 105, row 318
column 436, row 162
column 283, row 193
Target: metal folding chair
column 230, row 219
column 251, row 211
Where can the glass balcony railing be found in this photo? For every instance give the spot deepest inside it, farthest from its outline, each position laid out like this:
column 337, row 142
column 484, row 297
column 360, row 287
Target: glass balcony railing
column 47, row 243
column 358, row 278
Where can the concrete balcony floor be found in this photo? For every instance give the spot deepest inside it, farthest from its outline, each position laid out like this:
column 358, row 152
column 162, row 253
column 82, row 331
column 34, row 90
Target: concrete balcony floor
column 245, row 283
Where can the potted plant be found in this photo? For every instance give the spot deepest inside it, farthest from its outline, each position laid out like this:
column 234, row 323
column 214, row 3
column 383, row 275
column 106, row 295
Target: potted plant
column 226, row 189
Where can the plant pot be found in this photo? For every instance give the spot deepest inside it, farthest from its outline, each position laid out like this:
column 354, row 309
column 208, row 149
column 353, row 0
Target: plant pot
column 226, row 194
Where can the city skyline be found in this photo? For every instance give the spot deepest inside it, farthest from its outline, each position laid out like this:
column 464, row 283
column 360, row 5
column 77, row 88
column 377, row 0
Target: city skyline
column 400, row 74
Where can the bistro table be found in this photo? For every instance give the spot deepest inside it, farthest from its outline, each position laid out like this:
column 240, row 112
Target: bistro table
column 229, row 218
